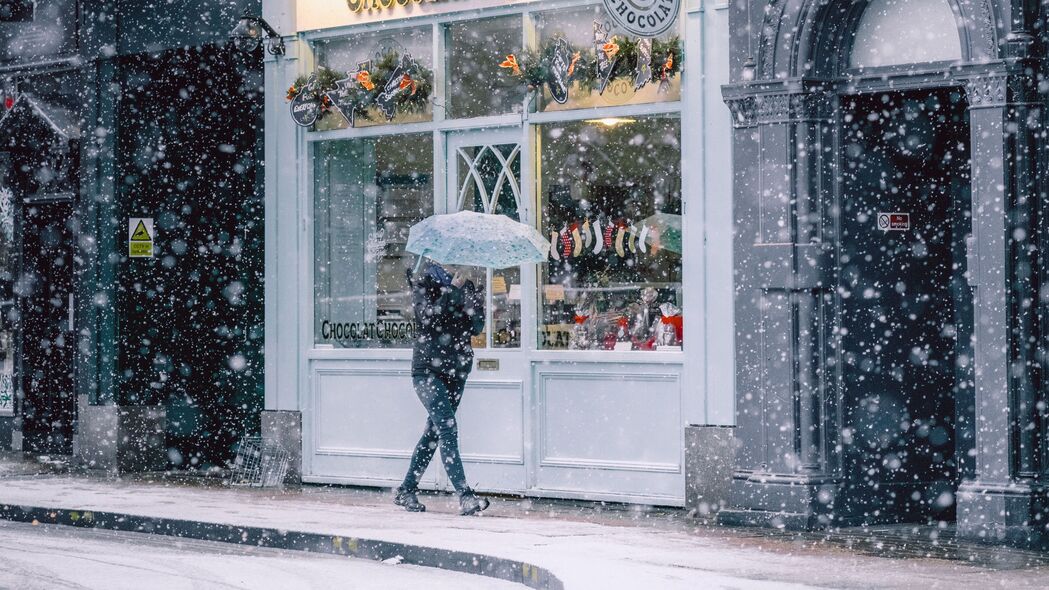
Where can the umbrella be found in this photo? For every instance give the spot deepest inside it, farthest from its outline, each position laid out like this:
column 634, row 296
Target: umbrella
column 477, row 239
column 666, row 231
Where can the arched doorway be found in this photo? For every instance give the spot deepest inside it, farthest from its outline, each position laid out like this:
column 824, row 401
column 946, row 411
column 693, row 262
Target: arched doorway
column 905, row 329
column 859, row 388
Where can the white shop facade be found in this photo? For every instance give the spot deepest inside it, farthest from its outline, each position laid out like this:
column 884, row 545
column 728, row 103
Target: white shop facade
column 592, row 365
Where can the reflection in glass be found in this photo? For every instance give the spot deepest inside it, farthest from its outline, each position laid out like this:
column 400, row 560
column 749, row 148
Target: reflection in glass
column 476, row 85
column 368, row 193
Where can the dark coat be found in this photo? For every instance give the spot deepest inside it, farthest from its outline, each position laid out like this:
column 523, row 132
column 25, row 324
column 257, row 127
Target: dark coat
column 445, row 319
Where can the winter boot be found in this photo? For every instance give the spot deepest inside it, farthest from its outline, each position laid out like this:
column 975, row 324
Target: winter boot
column 470, row 504
column 408, row 500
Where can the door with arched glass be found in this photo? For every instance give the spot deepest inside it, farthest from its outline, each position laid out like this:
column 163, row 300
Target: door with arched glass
column 484, row 175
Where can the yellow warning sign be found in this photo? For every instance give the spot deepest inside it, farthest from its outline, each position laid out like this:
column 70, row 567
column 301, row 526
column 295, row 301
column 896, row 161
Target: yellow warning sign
column 141, row 234
column 140, row 237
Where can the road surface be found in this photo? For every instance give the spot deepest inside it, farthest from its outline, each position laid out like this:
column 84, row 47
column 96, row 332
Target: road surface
column 55, row 557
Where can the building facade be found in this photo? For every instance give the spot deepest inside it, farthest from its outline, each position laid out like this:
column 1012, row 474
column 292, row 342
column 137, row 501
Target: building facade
column 117, row 112
column 596, row 367
column 889, row 327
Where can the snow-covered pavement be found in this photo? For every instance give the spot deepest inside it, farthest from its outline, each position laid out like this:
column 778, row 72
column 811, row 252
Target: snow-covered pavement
column 628, row 550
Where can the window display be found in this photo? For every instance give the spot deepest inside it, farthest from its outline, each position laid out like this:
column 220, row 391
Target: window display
column 610, row 201
column 401, row 60
column 603, row 65
column 367, row 194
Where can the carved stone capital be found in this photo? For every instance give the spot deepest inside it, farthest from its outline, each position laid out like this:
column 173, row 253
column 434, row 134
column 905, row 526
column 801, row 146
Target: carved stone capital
column 744, row 113
column 985, row 92
column 792, row 107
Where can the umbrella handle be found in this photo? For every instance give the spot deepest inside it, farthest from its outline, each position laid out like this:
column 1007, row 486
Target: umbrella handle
column 419, row 263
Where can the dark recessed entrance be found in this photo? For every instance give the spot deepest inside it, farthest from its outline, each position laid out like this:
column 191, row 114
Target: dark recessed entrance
column 907, row 312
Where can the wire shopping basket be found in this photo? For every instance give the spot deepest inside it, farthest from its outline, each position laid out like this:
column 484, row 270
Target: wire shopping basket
column 259, row 464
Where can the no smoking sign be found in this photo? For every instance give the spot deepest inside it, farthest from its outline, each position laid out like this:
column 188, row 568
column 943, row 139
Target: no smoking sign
column 894, row 221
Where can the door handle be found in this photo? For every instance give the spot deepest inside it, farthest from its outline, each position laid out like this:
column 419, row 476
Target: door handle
column 72, row 314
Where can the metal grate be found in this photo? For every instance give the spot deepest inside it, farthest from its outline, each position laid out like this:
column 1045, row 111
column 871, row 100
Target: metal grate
column 259, row 464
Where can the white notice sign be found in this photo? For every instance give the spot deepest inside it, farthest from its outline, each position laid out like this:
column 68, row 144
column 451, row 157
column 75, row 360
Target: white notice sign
column 894, row 221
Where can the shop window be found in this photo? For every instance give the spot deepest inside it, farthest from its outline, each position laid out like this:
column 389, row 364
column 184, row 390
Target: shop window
column 477, row 85
column 893, row 32
column 367, row 194
column 610, row 202
column 586, row 32
column 489, row 182
column 380, row 54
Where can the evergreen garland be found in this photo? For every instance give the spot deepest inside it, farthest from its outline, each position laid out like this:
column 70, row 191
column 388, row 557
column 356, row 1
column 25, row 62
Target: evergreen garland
column 365, row 89
column 534, row 66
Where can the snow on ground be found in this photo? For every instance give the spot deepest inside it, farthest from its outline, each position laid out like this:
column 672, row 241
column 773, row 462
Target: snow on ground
column 624, row 553
column 45, row 557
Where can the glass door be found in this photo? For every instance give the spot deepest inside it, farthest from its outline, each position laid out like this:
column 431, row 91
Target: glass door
column 484, row 175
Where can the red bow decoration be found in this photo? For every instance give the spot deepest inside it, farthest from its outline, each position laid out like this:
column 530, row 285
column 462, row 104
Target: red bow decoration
column 408, row 82
column 292, row 92
column 669, row 63
column 511, row 63
column 611, row 48
column 365, row 79
column 571, row 66
column 579, row 319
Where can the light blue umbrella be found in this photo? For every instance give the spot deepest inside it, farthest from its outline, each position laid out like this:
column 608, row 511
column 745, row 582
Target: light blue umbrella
column 477, row 239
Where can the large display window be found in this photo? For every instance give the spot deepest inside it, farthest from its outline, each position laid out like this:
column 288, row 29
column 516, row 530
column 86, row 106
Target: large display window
column 368, row 192
column 610, row 203
column 607, row 190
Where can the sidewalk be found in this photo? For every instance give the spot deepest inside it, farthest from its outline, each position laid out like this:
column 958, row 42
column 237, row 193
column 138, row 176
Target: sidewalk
column 584, row 545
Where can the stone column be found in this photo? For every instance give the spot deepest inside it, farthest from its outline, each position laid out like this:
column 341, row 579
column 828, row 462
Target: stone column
column 107, row 436
column 785, row 399
column 1002, row 498
column 282, row 419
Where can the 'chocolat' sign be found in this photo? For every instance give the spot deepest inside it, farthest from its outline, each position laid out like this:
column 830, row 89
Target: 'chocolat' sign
column 646, row 18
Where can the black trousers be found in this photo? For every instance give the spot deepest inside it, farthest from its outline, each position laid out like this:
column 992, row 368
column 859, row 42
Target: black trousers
column 440, row 394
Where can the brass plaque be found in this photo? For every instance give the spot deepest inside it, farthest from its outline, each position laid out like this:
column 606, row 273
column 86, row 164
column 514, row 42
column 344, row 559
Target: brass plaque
column 487, row 364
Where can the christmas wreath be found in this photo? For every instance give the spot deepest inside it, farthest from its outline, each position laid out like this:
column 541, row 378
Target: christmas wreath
column 394, row 84
column 643, row 60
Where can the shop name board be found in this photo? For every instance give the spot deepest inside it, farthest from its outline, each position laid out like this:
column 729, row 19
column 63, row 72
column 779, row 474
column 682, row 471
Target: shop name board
column 340, row 331
column 645, row 18
column 367, row 5
column 315, row 15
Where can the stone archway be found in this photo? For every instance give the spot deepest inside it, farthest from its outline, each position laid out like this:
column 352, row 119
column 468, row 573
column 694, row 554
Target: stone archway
column 786, row 112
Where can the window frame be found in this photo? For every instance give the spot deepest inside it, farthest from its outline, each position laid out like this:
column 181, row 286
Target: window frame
column 440, row 126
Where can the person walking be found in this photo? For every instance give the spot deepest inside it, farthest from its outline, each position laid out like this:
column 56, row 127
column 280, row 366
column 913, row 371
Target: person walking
column 448, row 311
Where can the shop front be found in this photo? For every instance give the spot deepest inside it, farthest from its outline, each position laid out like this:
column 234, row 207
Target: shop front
column 591, row 365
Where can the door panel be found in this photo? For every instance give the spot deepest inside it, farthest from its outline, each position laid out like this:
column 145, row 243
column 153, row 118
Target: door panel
column 48, row 340
column 484, row 175
column 906, row 312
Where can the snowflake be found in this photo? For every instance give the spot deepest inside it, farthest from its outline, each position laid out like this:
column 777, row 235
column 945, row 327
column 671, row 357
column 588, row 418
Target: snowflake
column 375, row 247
